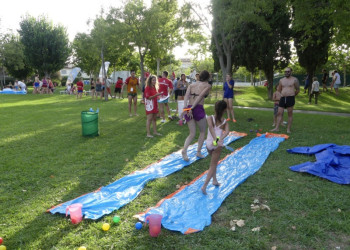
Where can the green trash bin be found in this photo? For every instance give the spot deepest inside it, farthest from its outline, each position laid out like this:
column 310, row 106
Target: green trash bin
column 89, row 123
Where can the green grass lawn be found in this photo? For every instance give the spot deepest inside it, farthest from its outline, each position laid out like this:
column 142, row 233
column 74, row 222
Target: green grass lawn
column 45, row 161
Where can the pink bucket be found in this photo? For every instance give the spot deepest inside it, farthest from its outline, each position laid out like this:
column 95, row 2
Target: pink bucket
column 155, row 223
column 75, row 212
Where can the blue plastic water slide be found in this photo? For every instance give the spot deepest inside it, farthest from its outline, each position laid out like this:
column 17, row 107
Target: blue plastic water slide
column 188, row 210
column 107, row 199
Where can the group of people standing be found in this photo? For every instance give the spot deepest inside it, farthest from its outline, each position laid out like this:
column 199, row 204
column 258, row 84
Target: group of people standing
column 315, row 87
column 45, row 86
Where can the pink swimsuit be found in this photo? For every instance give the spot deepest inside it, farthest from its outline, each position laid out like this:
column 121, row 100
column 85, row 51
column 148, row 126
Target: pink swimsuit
column 218, row 132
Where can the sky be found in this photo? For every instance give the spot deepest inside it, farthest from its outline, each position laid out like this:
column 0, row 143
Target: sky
column 72, row 14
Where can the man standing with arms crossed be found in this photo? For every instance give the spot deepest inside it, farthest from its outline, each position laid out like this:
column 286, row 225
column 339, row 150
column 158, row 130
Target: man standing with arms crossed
column 288, row 87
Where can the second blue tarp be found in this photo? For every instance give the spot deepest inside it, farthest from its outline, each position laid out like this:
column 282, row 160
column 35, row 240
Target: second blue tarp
column 188, row 210
column 332, row 162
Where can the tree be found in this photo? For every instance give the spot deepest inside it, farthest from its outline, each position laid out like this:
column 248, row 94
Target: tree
column 205, row 64
column 275, row 42
column 312, row 38
column 46, row 46
column 152, row 31
column 339, row 58
column 86, row 54
column 340, row 12
column 14, row 60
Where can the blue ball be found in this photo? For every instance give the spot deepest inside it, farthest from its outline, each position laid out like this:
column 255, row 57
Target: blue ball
column 138, row 225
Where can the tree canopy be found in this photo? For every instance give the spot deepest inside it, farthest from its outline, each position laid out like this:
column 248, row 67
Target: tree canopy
column 46, row 46
column 15, row 61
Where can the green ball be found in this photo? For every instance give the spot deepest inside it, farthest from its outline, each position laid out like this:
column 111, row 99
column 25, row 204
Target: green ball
column 116, row 219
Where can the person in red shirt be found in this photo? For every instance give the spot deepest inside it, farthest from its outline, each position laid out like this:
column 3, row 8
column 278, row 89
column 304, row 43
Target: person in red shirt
column 165, row 88
column 118, row 87
column 151, row 105
column 132, row 82
column 80, row 86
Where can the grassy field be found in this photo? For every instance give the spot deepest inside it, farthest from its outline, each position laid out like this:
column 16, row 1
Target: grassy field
column 45, row 161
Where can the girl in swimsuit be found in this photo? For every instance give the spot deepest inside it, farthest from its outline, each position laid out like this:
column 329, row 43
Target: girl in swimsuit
column 218, row 129
column 195, row 114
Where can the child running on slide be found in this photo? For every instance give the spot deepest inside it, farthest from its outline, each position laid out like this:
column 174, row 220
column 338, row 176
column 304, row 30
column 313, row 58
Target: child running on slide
column 218, row 129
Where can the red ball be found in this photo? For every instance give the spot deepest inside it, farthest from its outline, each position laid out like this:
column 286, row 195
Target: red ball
column 1, row 240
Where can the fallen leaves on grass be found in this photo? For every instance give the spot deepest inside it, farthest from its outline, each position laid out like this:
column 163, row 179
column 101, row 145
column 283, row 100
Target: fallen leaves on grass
column 256, row 206
column 256, row 229
column 234, row 223
column 273, row 248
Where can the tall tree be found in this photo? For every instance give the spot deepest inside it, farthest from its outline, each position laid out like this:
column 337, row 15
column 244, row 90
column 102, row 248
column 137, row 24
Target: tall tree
column 86, row 54
column 152, row 31
column 228, row 15
column 340, row 13
column 275, row 51
column 46, row 46
column 14, row 60
column 312, row 32
column 168, row 34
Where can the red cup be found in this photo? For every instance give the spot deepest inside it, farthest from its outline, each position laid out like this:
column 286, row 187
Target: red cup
column 75, row 212
column 155, row 223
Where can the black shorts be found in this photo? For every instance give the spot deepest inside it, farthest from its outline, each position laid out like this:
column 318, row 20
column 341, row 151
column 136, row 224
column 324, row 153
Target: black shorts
column 286, row 101
column 182, row 92
column 117, row 90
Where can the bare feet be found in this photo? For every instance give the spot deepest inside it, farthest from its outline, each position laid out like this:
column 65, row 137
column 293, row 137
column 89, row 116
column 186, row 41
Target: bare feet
column 216, row 184
column 204, row 191
column 136, row 114
column 130, row 115
column 275, row 129
column 184, row 155
column 156, row 133
column 199, row 155
column 288, row 132
column 150, row 136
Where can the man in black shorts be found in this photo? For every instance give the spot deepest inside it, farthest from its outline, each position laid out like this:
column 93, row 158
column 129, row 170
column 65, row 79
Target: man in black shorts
column 288, row 87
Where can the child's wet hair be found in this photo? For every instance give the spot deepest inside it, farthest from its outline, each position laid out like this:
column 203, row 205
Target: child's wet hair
column 220, row 107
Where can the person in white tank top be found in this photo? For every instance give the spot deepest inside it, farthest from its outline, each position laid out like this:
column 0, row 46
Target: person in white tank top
column 218, row 129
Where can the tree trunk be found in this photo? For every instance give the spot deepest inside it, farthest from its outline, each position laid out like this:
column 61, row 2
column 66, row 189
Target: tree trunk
column 344, row 84
column 142, row 69
column 251, row 79
column 269, row 77
column 3, row 83
column 311, row 75
column 158, row 65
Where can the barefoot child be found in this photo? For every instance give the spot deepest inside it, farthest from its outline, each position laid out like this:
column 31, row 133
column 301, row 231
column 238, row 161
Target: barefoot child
column 315, row 89
column 151, row 105
column 218, row 129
